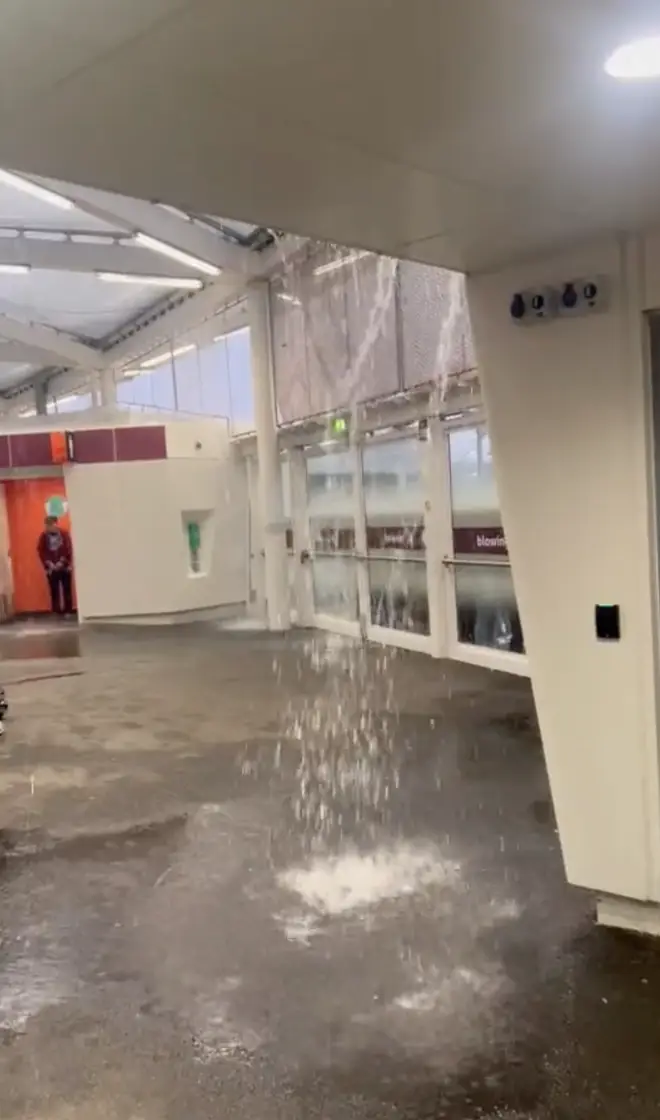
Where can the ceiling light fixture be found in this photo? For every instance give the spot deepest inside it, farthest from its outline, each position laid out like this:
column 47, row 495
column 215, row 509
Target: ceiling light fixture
column 15, row 269
column 341, row 262
column 189, row 282
column 160, row 359
column 174, row 254
column 635, row 61
column 28, row 187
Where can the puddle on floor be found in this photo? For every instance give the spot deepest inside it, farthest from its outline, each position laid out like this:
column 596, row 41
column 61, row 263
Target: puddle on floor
column 40, row 643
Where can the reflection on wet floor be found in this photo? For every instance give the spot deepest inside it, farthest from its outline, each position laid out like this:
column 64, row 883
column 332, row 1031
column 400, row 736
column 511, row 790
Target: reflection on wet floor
column 39, row 642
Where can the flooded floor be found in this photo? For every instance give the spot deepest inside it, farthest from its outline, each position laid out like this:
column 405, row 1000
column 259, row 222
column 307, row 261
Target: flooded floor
column 260, row 878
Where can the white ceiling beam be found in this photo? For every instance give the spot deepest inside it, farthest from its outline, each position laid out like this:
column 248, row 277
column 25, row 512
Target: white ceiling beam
column 134, row 215
column 20, row 353
column 74, row 256
column 56, row 347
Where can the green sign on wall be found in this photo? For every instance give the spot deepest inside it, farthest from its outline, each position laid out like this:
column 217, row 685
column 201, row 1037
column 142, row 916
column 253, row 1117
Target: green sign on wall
column 55, row 506
column 194, row 536
column 194, row 544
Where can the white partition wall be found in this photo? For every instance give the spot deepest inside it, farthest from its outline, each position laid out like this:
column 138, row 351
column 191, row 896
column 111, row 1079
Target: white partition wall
column 568, row 415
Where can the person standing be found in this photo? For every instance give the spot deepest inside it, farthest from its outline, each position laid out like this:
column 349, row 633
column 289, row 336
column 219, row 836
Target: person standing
column 56, row 555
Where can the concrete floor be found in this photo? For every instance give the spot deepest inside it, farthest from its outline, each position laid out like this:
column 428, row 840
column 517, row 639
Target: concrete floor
column 249, row 877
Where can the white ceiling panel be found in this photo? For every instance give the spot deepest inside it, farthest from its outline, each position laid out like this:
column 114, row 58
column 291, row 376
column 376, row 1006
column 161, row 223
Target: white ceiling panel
column 380, row 123
column 80, row 304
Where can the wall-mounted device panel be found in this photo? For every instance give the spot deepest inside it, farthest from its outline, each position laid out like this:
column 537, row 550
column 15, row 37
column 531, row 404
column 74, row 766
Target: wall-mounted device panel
column 607, row 617
column 533, row 305
column 586, row 296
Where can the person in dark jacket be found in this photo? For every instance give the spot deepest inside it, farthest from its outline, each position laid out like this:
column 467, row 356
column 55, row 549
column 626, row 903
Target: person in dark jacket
column 56, row 555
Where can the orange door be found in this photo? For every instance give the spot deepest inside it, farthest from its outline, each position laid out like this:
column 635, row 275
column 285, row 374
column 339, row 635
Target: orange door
column 27, row 500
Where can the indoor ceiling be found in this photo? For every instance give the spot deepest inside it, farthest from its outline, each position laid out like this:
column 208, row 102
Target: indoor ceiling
column 460, row 132
column 91, row 280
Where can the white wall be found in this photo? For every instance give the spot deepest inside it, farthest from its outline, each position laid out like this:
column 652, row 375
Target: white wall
column 129, row 536
column 567, row 414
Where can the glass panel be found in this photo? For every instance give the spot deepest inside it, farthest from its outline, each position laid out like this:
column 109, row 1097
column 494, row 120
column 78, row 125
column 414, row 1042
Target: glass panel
column 398, row 595
column 394, row 509
column 240, row 381
column 475, row 508
column 330, row 501
column 330, row 504
column 335, row 586
column 487, row 614
column 214, row 379
column 486, row 607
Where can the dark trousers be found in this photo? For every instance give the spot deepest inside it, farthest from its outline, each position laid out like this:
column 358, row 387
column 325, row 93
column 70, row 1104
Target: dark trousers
column 59, row 583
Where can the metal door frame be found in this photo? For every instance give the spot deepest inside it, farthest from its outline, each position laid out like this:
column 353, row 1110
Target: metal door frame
column 482, row 656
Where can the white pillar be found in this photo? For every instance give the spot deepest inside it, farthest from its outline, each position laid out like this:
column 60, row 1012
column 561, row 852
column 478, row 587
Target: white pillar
column 105, row 390
column 41, row 398
column 302, row 586
column 271, row 499
column 568, row 420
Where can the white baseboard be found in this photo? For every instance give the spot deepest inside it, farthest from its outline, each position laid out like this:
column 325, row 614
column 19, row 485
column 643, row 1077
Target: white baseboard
column 174, row 618
column 629, row 914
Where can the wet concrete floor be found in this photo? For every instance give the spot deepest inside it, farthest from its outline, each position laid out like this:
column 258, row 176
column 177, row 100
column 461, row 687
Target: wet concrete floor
column 252, row 877
column 39, row 640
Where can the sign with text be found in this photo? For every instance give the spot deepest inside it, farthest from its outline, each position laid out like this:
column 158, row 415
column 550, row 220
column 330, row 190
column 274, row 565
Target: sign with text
column 478, row 541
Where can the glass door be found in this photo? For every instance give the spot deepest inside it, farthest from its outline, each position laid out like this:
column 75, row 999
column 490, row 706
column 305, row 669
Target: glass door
column 395, row 587
column 484, row 621
column 331, row 511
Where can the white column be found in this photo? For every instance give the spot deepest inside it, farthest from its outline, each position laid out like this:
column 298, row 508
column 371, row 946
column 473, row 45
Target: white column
column 437, row 531
column 303, row 590
column 568, row 419
column 105, row 389
column 271, row 499
column 41, row 398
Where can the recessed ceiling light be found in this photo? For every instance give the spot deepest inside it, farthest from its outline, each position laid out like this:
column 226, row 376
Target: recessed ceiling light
column 635, row 61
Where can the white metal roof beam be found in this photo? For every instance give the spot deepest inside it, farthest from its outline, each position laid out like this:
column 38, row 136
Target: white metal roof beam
column 73, row 256
column 56, row 347
column 134, row 216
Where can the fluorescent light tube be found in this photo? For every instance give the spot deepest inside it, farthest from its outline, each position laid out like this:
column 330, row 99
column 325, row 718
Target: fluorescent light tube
column 14, row 269
column 37, row 191
column 174, row 254
column 188, row 282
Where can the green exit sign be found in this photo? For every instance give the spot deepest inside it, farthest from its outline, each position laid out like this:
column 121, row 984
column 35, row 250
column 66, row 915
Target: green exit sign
column 339, row 426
